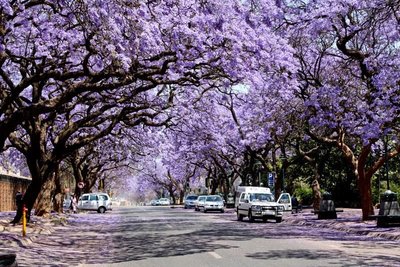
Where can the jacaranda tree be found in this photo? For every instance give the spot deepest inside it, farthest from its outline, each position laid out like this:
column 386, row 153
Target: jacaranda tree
column 72, row 71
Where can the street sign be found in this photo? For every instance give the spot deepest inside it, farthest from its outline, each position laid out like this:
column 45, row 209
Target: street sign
column 271, row 179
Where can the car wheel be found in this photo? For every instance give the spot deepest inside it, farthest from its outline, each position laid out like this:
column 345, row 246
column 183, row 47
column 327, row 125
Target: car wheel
column 101, row 210
column 204, row 210
column 239, row 216
column 251, row 218
column 279, row 219
column 222, row 211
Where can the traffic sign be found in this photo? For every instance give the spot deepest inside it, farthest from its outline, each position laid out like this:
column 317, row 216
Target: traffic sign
column 271, row 179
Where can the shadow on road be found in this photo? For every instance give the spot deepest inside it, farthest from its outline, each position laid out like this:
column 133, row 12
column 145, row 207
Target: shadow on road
column 128, row 235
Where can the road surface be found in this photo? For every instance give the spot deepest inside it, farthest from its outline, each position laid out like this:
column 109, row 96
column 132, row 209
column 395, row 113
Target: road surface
column 163, row 236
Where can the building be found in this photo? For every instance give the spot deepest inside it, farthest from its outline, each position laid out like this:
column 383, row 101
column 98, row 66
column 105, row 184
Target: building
column 10, row 184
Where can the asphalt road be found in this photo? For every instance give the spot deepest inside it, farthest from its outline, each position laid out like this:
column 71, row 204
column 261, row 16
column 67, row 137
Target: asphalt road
column 162, row 236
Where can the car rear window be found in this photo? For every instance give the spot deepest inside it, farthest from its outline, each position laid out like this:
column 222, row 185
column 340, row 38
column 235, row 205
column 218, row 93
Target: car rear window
column 191, row 197
column 214, row 198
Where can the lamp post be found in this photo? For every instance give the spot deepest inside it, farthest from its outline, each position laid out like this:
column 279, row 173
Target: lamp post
column 283, row 158
column 385, row 144
column 259, row 167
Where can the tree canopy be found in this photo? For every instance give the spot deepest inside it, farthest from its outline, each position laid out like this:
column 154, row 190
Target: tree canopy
column 198, row 90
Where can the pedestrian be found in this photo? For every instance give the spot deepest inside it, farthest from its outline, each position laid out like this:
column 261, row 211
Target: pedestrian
column 19, row 204
column 73, row 203
column 295, row 204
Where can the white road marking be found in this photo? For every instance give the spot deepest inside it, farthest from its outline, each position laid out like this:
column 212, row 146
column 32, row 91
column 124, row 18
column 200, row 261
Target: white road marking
column 215, row 255
column 169, row 226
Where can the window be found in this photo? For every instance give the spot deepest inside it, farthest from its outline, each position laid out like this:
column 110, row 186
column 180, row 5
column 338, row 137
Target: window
column 214, row 198
column 103, row 197
column 86, row 197
column 93, row 197
column 284, row 199
column 261, row 197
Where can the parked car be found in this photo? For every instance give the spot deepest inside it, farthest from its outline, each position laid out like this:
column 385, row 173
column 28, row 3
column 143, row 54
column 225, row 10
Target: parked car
column 100, row 202
column 199, row 202
column 213, row 203
column 190, row 201
column 155, row 202
column 164, row 201
column 67, row 204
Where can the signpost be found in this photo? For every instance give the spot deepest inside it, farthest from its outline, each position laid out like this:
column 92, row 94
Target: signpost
column 271, row 179
column 81, row 185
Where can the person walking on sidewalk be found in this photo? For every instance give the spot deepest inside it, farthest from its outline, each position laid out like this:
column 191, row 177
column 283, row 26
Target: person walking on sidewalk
column 296, row 206
column 19, row 204
column 73, row 203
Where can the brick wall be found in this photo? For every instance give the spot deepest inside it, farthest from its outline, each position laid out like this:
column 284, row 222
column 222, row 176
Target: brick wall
column 9, row 186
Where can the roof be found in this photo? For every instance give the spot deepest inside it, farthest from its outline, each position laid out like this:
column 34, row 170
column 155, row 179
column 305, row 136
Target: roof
column 253, row 189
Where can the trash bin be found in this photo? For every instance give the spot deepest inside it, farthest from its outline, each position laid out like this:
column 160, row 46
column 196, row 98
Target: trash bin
column 389, row 196
column 389, row 204
column 327, row 208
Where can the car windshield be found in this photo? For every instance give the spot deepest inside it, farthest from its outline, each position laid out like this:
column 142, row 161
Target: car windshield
column 261, row 197
column 214, row 198
column 191, row 197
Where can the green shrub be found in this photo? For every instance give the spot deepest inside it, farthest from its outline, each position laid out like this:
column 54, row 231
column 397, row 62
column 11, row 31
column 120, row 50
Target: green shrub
column 394, row 187
column 304, row 193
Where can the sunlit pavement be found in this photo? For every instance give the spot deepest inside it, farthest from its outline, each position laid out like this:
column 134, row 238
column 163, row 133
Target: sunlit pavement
column 123, row 235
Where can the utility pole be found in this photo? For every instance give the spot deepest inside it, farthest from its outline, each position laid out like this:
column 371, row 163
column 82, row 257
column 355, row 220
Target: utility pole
column 385, row 143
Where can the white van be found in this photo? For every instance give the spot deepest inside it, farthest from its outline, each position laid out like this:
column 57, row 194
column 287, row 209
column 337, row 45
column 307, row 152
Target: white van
column 99, row 202
column 257, row 203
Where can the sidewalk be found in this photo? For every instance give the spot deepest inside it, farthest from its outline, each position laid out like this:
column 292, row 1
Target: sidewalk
column 347, row 221
column 11, row 235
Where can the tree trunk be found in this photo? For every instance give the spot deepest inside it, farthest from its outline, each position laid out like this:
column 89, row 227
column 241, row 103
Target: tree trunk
column 278, row 182
column 58, row 202
column 364, row 185
column 363, row 178
column 171, row 194
column 28, row 199
column 316, row 194
column 44, row 202
column 181, row 196
column 58, row 193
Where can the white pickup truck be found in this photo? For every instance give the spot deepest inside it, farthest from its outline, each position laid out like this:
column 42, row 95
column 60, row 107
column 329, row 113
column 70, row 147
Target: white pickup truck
column 257, row 203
